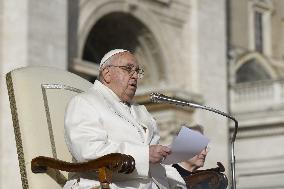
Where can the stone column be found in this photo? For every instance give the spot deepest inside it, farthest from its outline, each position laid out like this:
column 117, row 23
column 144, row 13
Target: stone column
column 32, row 32
column 205, row 36
column 13, row 54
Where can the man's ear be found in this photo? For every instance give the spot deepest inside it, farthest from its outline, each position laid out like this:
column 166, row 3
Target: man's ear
column 106, row 75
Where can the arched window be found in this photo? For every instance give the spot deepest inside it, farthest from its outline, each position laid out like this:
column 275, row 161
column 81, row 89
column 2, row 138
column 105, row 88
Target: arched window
column 122, row 30
column 116, row 30
column 251, row 71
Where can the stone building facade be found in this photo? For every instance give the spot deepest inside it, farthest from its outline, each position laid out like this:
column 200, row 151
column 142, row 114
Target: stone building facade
column 182, row 46
column 256, row 61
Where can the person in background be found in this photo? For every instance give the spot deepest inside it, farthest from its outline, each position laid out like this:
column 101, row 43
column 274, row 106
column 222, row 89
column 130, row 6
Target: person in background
column 177, row 172
column 104, row 120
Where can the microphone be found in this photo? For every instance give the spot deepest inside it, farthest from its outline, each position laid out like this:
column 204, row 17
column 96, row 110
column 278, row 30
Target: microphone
column 160, row 98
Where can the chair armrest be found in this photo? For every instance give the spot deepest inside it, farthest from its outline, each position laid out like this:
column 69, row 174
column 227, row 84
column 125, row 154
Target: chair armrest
column 210, row 178
column 105, row 165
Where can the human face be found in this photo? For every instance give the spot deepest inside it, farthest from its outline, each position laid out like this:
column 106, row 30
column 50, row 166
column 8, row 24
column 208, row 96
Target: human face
column 197, row 161
column 122, row 83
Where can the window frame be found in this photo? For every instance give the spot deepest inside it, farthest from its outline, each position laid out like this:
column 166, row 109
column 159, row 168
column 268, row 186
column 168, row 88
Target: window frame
column 265, row 9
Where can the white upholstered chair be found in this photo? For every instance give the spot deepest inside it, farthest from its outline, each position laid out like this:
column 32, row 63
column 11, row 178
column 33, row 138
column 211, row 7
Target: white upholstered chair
column 38, row 98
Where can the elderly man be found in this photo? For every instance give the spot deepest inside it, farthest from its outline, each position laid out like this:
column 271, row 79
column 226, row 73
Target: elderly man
column 104, row 120
column 177, row 172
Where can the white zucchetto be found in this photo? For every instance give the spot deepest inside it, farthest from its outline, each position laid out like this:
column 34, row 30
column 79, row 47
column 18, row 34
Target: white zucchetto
column 110, row 54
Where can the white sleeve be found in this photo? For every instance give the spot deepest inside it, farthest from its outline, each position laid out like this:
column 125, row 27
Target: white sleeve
column 87, row 139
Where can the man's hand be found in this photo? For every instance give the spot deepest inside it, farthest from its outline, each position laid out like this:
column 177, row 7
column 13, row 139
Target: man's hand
column 157, row 153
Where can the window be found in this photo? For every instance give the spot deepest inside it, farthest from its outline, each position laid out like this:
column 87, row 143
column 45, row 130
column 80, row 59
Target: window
column 251, row 71
column 258, row 31
column 260, row 27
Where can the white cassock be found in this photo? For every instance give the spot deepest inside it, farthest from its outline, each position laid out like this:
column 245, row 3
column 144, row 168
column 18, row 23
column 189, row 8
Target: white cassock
column 98, row 123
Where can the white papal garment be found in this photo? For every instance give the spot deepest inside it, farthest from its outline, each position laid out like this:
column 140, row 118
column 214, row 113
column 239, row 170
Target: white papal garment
column 98, row 123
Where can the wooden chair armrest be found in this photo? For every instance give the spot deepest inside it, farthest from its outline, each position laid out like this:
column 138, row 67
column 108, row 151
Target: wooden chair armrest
column 210, row 178
column 105, row 165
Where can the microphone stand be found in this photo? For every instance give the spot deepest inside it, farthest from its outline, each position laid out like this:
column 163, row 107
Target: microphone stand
column 160, row 98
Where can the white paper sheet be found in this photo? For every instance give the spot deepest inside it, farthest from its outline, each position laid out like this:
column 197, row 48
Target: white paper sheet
column 185, row 145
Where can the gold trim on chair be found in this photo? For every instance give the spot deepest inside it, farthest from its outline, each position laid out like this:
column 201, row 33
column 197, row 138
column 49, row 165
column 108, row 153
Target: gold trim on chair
column 19, row 82
column 60, row 178
column 55, row 174
column 44, row 87
column 17, row 131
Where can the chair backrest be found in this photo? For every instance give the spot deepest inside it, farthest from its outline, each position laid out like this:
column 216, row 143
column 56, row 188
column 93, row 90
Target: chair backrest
column 38, row 98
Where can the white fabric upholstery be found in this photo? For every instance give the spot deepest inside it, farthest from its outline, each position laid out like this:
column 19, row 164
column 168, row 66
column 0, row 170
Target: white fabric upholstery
column 39, row 123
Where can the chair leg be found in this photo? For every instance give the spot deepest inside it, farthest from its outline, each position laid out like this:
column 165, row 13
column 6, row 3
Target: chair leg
column 105, row 177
